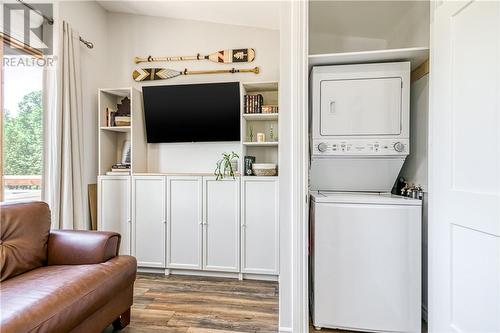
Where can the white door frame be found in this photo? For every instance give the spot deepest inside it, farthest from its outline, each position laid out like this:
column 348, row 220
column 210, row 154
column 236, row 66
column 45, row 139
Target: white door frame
column 299, row 112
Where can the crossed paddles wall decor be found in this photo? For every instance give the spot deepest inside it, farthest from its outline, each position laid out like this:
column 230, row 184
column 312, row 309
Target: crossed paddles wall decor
column 228, row 56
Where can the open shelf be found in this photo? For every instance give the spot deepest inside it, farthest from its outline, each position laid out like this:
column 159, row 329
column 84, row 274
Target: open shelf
column 116, row 128
column 112, row 138
column 121, row 92
column 263, row 144
column 260, row 87
column 260, row 116
column 266, row 123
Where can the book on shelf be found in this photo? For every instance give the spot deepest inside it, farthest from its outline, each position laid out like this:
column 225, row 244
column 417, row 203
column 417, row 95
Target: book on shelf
column 253, row 103
column 268, row 108
column 121, row 168
column 110, row 117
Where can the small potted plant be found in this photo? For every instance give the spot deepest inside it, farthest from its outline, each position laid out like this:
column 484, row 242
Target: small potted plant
column 226, row 166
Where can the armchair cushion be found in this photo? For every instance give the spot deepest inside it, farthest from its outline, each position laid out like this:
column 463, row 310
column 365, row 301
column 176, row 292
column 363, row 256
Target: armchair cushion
column 71, row 247
column 24, row 231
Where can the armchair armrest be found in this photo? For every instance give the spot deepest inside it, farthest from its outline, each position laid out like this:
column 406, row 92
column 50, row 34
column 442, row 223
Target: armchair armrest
column 78, row 247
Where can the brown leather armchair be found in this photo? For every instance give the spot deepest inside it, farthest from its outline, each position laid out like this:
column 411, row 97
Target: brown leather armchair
column 60, row 281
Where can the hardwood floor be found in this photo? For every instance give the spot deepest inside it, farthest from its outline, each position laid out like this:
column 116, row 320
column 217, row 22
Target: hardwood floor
column 202, row 305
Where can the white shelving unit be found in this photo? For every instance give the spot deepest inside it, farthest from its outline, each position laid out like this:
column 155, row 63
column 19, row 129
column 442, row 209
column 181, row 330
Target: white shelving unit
column 112, row 138
column 149, row 209
column 267, row 123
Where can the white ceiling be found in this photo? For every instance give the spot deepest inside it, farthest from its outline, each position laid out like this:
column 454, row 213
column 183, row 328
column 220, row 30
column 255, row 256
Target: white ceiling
column 261, row 14
column 370, row 19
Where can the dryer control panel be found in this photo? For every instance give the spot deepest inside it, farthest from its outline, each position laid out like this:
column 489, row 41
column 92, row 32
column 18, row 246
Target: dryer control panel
column 378, row 147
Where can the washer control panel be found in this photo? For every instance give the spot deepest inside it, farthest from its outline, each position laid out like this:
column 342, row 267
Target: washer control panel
column 360, row 147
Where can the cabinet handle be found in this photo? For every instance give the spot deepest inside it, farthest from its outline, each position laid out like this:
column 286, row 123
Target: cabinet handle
column 165, row 222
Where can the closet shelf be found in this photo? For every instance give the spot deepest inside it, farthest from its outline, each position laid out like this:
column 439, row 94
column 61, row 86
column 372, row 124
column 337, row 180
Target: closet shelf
column 416, row 55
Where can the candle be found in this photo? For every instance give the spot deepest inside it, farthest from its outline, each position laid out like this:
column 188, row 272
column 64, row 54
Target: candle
column 261, row 137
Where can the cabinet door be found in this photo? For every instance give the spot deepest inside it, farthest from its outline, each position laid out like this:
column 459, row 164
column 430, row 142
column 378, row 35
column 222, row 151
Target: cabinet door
column 184, row 222
column 114, row 208
column 148, row 220
column 260, row 233
column 221, row 221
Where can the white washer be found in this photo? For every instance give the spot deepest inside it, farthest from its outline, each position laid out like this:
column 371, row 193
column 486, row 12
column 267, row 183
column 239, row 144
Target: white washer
column 365, row 262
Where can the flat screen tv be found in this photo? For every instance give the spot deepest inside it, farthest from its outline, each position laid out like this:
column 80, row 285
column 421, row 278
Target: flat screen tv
column 192, row 112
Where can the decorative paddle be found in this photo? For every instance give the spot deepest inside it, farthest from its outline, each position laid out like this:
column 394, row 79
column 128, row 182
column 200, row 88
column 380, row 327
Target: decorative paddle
column 224, row 56
column 145, row 74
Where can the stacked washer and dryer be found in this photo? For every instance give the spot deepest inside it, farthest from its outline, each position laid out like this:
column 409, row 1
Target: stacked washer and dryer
column 365, row 260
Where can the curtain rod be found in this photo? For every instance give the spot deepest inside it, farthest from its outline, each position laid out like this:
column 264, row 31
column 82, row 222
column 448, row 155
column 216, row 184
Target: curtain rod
column 50, row 20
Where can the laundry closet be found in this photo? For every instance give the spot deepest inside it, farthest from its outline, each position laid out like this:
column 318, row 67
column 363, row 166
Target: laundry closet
column 368, row 120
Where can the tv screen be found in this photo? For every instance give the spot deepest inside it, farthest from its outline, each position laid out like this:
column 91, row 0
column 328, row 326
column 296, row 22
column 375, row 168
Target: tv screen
column 192, row 112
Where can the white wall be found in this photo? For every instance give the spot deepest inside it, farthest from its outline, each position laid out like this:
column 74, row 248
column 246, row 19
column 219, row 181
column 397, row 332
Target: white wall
column 412, row 29
column 329, row 43
column 408, row 27
column 135, row 35
column 415, row 169
column 90, row 20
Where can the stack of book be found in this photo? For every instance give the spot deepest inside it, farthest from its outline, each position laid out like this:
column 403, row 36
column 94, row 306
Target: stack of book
column 269, row 109
column 119, row 169
column 253, row 103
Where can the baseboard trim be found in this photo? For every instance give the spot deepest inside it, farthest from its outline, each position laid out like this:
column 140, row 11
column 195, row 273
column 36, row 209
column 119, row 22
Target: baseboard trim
column 424, row 313
column 285, row 329
column 231, row 275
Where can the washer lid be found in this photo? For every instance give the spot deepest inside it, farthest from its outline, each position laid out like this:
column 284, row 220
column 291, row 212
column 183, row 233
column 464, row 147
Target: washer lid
column 363, row 198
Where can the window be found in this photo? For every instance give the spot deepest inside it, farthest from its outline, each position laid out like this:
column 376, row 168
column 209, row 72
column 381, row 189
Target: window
column 22, row 127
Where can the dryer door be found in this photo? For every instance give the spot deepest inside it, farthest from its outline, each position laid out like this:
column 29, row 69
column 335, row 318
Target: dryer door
column 357, row 107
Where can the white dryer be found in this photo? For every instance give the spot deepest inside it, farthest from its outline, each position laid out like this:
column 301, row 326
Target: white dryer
column 359, row 126
column 365, row 262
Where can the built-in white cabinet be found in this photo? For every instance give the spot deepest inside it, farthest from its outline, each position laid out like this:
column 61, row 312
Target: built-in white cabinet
column 184, row 222
column 149, row 220
column 114, row 208
column 260, row 226
column 221, row 230
column 194, row 222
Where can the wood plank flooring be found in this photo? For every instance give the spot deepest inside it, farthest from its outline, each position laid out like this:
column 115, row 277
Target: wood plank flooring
column 202, row 305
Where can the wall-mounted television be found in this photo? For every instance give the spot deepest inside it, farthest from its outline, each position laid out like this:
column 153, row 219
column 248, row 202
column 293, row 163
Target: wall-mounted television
column 192, row 112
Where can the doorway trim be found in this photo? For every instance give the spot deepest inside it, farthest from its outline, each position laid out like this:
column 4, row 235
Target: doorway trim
column 299, row 112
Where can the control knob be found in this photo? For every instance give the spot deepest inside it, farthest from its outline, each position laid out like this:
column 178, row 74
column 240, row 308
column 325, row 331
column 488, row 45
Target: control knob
column 322, row 147
column 399, row 147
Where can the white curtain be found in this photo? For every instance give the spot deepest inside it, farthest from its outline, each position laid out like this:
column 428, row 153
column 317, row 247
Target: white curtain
column 63, row 177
